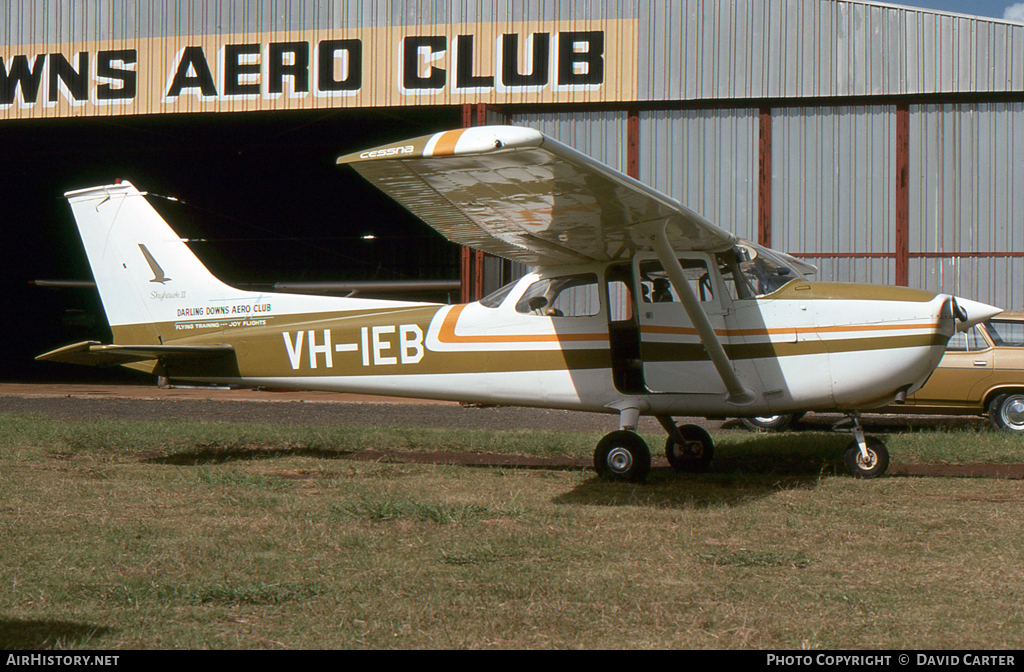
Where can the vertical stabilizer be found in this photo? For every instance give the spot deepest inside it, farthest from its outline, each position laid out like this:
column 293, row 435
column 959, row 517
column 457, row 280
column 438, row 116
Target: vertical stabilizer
column 143, row 270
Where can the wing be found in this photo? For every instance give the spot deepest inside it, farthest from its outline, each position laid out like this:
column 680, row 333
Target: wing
column 516, row 193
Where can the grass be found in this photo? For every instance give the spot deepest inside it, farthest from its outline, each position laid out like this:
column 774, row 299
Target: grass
column 211, row 535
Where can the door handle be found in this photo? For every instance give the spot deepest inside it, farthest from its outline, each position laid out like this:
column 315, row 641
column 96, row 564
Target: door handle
column 980, row 362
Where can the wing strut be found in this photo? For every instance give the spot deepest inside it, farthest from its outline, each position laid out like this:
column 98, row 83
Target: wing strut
column 655, row 233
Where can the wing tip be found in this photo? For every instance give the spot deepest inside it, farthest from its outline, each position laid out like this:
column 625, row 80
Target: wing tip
column 456, row 142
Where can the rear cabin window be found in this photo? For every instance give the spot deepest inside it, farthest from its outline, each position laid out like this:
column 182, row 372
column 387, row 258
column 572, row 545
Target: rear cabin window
column 567, row 296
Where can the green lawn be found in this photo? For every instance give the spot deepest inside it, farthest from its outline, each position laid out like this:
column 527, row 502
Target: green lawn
column 212, row 535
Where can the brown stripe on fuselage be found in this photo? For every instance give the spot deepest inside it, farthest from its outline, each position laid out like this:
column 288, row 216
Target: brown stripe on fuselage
column 726, row 333
column 694, row 352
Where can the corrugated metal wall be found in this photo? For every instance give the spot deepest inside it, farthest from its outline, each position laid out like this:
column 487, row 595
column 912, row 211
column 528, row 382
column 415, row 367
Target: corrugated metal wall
column 707, row 160
column 833, row 188
column 601, row 135
column 707, row 49
column 966, row 197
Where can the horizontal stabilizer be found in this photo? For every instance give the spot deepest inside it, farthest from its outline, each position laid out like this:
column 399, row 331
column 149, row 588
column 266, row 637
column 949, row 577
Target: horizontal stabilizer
column 94, row 353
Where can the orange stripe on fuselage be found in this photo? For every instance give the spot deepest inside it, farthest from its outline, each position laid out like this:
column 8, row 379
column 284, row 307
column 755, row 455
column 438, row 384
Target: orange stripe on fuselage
column 447, row 334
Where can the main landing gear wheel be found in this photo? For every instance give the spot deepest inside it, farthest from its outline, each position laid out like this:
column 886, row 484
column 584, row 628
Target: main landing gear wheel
column 694, row 454
column 870, row 463
column 623, row 456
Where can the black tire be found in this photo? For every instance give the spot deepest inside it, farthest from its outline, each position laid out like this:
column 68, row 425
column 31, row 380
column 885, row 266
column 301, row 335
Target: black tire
column 1007, row 412
column 768, row 423
column 875, row 466
column 695, row 455
column 623, row 456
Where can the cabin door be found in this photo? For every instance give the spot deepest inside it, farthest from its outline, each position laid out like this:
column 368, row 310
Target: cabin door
column 673, row 356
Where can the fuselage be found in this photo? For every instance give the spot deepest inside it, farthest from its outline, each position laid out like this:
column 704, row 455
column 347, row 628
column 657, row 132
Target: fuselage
column 586, row 338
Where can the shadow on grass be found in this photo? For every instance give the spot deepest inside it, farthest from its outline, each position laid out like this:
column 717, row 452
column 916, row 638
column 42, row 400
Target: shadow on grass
column 220, row 454
column 35, row 635
column 665, row 489
column 782, row 454
column 791, row 454
column 741, row 472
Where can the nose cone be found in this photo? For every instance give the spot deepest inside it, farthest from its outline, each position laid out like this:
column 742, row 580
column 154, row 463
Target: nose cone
column 969, row 313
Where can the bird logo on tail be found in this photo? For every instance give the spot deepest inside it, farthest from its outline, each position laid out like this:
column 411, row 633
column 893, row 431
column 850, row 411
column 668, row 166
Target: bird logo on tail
column 158, row 273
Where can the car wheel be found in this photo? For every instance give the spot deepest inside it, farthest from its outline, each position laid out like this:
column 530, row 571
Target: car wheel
column 1007, row 412
column 768, row 423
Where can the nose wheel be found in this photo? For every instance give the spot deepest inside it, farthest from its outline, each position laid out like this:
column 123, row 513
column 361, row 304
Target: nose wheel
column 865, row 456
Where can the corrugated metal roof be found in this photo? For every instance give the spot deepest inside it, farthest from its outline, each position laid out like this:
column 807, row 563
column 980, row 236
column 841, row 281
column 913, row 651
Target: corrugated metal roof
column 705, row 49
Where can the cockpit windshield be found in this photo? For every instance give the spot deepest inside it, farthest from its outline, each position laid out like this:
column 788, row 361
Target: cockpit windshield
column 495, row 298
column 755, row 271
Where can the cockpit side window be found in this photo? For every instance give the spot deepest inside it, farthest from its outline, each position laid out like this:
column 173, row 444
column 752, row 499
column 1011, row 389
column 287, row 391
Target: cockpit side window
column 567, row 296
column 733, row 278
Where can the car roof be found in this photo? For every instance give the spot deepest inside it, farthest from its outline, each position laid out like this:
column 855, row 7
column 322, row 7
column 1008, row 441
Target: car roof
column 1009, row 315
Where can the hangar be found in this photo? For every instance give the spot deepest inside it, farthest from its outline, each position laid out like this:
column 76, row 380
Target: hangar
column 882, row 143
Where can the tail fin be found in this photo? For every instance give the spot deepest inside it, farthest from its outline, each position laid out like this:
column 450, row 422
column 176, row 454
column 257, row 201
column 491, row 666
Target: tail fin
column 144, row 272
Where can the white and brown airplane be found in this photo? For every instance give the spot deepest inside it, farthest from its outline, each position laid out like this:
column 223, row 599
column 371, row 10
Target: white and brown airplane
column 635, row 306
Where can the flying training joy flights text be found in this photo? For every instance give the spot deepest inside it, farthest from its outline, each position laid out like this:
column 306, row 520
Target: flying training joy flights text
column 635, row 306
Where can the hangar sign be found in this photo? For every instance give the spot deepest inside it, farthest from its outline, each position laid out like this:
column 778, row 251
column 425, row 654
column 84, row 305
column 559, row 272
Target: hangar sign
column 536, row 62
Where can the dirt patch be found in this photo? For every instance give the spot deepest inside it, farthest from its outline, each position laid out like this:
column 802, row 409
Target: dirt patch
column 470, row 460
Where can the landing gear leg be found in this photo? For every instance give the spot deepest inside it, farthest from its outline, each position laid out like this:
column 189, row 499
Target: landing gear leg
column 865, row 456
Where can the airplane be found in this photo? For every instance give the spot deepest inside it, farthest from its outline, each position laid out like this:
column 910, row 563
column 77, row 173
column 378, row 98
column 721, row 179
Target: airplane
column 634, row 305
